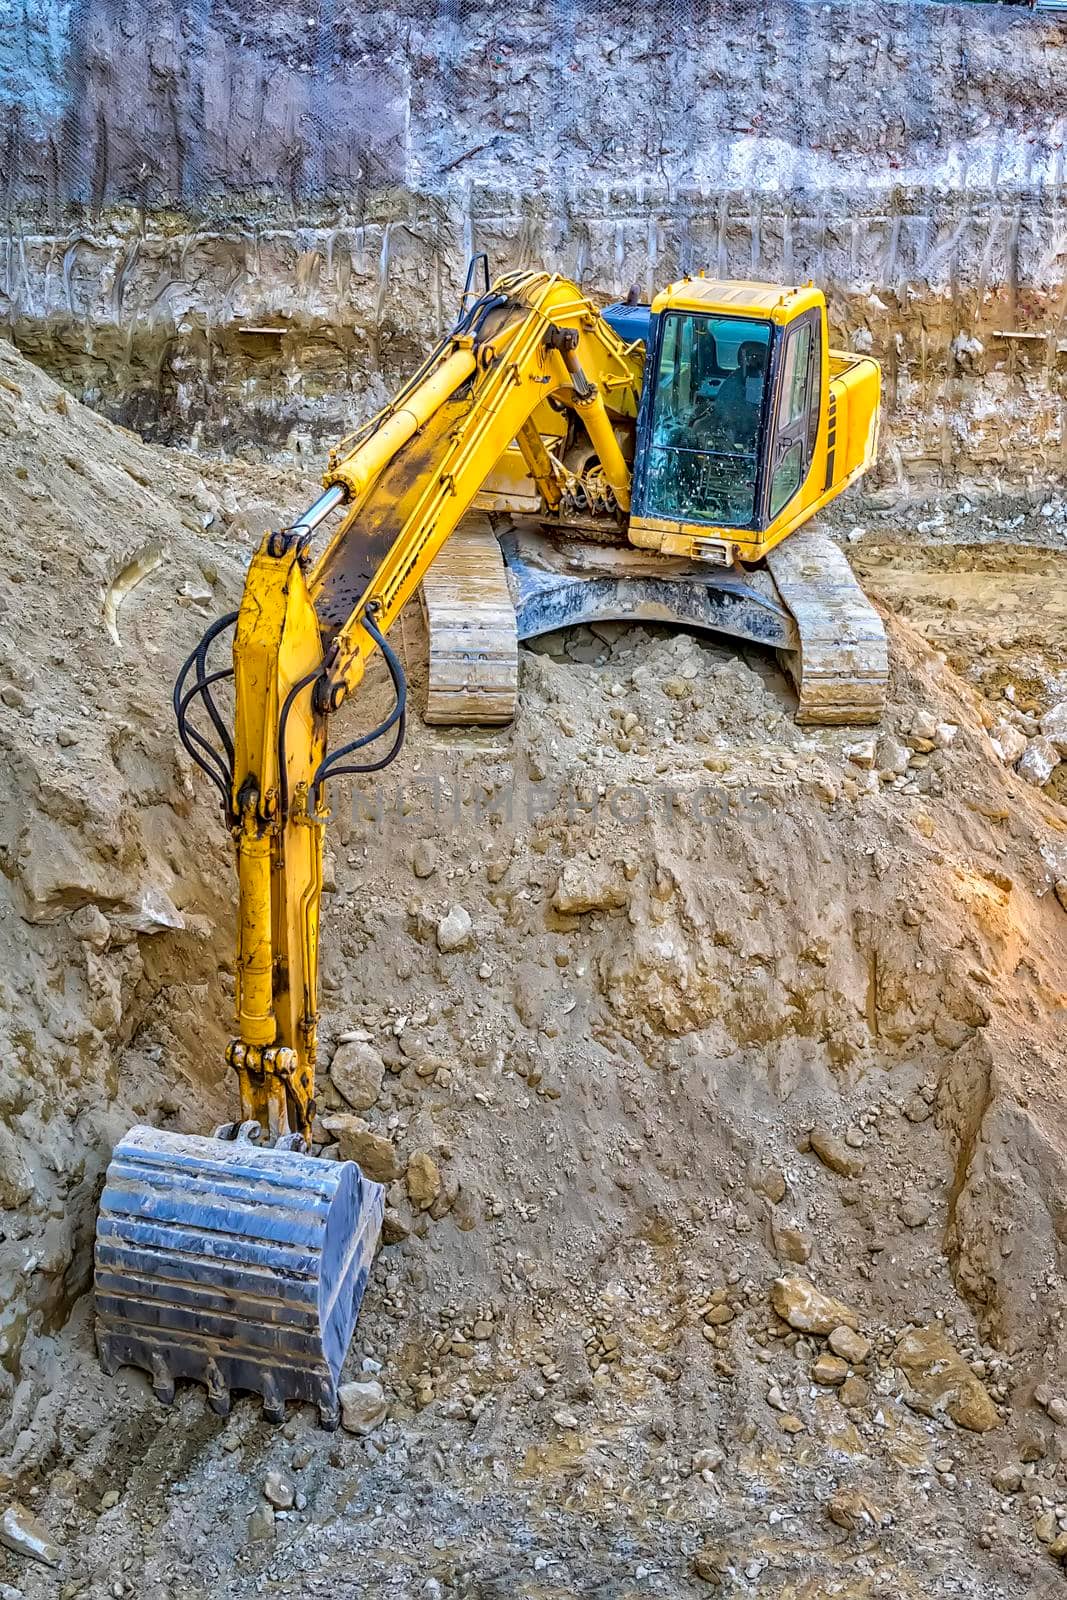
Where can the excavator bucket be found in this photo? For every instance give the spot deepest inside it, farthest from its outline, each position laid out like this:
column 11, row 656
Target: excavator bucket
column 237, row 1266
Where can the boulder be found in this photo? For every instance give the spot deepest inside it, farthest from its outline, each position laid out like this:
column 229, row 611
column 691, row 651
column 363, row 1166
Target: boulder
column 373, row 1152
column 940, row 1381
column 807, row 1309
column 356, row 1072
column 1038, row 761
column 423, row 1180
column 1054, row 727
column 454, row 930
column 363, row 1405
column 587, row 885
column 1008, row 742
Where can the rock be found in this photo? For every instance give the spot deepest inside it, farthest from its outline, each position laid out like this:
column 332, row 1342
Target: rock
column 1058, row 1547
column 423, row 1180
column 835, row 1153
column 109, row 1500
column 851, row 1510
column 587, row 885
column 771, row 1182
column 941, row 1381
column 1054, row 727
column 395, row 1226
column 279, row 1492
column 455, row 930
column 363, row 1405
column 21, row 1532
column 1038, row 761
column 719, row 1316
column 791, row 1244
column 1007, row 1479
column 261, row 1524
column 854, row 1391
column 915, row 1212
column 153, row 912
column 945, row 735
column 710, row 1459
column 849, row 1345
column 1057, row 1410
column 923, row 725
column 89, row 926
column 1008, row 742
column 791, row 1423
column 862, row 753
column 807, row 1309
column 565, row 1419
column 356, row 1072
column 1045, row 1527
column 373, row 1152
column 424, row 859
column 1061, row 892
column 16, row 1184
column 891, row 757
column 830, row 1370
column 711, row 1565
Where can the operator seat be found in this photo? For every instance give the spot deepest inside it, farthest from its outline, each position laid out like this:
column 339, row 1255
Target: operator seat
column 737, row 404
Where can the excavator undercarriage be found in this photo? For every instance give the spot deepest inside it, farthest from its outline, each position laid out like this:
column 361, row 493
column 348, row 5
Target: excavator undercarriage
column 494, row 586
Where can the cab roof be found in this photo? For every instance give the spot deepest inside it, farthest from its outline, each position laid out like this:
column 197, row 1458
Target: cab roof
column 733, row 297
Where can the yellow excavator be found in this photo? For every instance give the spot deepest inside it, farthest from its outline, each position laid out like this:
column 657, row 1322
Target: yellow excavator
column 549, row 463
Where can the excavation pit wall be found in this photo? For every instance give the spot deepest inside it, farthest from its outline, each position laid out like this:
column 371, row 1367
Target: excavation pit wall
column 253, row 268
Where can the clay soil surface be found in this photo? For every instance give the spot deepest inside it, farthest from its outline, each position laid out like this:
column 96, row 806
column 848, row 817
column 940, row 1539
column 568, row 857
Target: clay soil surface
column 714, row 1065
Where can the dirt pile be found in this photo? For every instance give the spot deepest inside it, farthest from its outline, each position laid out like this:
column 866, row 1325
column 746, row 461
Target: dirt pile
column 114, row 883
column 712, row 1064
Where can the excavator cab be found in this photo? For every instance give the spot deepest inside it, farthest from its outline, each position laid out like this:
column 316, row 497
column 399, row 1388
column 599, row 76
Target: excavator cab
column 738, row 436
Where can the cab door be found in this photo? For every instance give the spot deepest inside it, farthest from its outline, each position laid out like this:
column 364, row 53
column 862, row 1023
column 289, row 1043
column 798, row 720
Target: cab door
column 796, row 417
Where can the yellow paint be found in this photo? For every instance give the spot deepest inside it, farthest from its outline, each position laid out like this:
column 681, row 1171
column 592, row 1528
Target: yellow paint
column 279, row 860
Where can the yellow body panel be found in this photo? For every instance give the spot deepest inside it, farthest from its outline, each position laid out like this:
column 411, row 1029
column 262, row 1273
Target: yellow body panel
column 738, row 297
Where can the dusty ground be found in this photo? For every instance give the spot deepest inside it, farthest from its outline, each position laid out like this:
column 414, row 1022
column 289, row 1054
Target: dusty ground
column 734, row 1006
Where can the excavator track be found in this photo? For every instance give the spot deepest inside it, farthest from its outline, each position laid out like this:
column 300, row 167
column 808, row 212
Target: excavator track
column 474, row 644
column 239, row 1267
column 841, row 666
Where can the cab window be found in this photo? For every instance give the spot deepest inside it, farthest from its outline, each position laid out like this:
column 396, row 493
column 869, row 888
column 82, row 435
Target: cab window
column 796, row 414
column 707, row 419
column 795, row 376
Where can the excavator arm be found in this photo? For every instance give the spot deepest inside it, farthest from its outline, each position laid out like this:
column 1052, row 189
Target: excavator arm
column 240, row 1260
column 305, row 632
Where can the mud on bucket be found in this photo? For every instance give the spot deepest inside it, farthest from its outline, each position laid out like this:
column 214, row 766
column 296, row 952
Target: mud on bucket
column 238, row 1267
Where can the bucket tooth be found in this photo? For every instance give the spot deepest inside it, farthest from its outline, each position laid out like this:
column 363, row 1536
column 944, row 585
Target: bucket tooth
column 239, row 1267
column 273, row 1402
column 218, row 1393
column 162, row 1382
